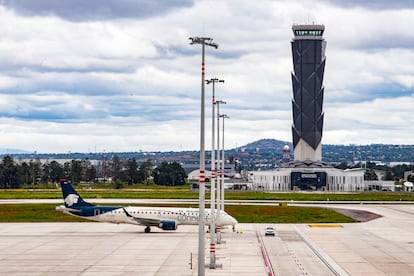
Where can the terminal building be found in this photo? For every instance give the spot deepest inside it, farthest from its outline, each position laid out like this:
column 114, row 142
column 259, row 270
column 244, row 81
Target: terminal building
column 307, row 171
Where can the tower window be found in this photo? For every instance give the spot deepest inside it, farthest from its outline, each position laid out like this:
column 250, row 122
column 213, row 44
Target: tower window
column 308, row 32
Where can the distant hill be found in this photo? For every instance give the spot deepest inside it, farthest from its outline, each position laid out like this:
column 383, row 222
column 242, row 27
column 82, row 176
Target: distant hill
column 266, row 145
column 383, row 153
column 262, row 153
column 12, row 151
column 375, row 152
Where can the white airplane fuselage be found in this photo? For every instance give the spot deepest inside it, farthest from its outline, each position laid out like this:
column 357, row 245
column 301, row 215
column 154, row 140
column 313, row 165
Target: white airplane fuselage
column 165, row 218
column 133, row 215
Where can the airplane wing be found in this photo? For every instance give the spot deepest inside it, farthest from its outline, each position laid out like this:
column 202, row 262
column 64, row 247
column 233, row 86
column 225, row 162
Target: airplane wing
column 143, row 221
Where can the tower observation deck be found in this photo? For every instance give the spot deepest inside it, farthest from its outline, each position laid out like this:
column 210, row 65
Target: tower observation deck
column 308, row 52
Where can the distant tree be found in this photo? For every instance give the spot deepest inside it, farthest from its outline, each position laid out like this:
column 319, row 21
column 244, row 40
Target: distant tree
column 90, row 173
column 370, row 175
column 75, row 171
column 116, row 167
column 399, row 170
column 23, row 174
column 45, row 174
column 146, row 170
column 161, row 174
column 67, row 170
column 342, row 166
column 169, row 174
column 56, row 171
column 388, row 175
column 178, row 174
column 35, row 171
column 102, row 168
column 88, row 170
column 370, row 165
column 131, row 171
column 8, row 177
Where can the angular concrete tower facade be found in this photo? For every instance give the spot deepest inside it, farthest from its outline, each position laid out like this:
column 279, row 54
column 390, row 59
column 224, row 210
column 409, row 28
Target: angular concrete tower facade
column 308, row 172
column 308, row 51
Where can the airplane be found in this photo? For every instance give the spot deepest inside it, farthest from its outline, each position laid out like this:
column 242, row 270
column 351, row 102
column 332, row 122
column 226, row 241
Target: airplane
column 165, row 218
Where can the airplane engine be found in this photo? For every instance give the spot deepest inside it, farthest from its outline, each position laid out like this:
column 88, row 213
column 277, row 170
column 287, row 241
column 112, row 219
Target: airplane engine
column 168, row 225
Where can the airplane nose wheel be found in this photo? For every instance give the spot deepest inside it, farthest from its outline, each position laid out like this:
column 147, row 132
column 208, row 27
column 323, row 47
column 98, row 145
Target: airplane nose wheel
column 147, row 229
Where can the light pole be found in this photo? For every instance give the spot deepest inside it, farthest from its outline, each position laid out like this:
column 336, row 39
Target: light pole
column 212, row 181
column 218, row 171
column 224, row 116
column 201, row 217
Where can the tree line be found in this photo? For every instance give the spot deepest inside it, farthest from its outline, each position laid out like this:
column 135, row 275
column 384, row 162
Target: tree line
column 17, row 174
column 395, row 173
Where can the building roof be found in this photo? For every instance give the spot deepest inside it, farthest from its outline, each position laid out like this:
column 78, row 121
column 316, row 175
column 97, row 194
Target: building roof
column 306, row 164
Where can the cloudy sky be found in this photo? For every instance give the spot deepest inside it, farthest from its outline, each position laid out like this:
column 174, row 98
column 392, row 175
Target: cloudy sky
column 120, row 75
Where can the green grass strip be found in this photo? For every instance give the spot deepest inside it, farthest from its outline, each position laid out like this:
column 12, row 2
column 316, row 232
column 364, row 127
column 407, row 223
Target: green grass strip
column 243, row 213
column 232, row 195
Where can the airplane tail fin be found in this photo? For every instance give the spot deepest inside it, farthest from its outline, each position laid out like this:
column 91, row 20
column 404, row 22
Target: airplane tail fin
column 70, row 196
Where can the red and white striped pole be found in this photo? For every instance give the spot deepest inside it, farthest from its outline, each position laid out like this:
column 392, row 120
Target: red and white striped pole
column 201, row 184
column 219, row 170
column 201, row 216
column 212, row 183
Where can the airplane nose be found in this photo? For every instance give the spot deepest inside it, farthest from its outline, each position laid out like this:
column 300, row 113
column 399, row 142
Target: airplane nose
column 228, row 219
column 231, row 220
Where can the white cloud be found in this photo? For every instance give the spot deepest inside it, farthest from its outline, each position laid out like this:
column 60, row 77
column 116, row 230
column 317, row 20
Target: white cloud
column 121, row 82
column 384, row 121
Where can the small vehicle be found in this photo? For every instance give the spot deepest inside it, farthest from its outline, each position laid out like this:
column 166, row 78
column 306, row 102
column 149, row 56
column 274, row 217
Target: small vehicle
column 270, row 231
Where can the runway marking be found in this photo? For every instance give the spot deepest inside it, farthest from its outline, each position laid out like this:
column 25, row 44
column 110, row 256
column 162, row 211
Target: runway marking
column 325, row 226
column 326, row 259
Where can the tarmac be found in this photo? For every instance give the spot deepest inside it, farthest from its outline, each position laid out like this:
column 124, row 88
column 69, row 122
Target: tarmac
column 380, row 246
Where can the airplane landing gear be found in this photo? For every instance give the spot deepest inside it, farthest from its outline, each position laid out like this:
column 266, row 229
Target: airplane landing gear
column 147, row 229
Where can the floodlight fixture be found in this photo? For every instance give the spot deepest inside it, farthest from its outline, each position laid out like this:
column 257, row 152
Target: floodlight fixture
column 203, row 40
column 214, row 80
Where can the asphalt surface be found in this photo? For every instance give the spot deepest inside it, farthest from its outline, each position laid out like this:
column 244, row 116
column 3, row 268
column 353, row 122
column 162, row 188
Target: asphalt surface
column 380, row 246
column 358, row 215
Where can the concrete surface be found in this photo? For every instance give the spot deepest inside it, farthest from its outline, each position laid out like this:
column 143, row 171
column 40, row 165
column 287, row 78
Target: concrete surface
column 107, row 249
column 382, row 246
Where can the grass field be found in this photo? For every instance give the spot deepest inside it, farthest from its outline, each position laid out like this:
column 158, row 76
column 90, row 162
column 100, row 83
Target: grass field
column 285, row 214
column 172, row 193
column 252, row 214
column 243, row 213
column 33, row 213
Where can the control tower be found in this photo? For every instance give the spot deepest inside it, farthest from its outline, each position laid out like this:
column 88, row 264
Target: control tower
column 307, row 172
column 308, row 51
